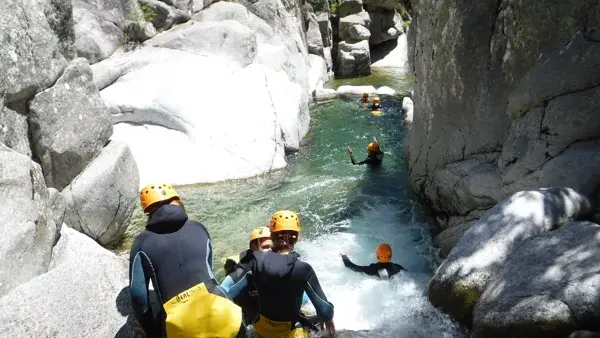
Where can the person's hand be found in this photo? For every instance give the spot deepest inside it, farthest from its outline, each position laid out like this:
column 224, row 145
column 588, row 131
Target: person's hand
column 349, row 150
column 375, row 140
column 342, row 253
column 330, row 326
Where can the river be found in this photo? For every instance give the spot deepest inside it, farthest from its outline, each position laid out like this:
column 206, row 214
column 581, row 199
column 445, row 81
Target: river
column 341, row 207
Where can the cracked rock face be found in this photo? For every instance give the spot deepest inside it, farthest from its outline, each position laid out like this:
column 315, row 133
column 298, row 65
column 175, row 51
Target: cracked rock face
column 26, row 220
column 516, row 94
column 101, row 199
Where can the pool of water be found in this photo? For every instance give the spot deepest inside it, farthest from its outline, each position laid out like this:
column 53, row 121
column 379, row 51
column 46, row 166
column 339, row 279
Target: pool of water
column 341, row 207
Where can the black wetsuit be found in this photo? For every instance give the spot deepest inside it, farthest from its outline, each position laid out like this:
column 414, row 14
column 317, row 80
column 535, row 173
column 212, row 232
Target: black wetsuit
column 375, row 269
column 178, row 252
column 373, row 159
column 375, row 106
column 281, row 280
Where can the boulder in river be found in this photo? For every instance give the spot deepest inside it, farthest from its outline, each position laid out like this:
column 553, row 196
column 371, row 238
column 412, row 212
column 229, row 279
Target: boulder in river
column 484, row 249
column 101, row 199
column 546, row 288
column 69, row 124
column 26, row 221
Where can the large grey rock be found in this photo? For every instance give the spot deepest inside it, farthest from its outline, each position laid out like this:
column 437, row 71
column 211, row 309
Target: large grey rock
column 14, row 130
column 349, row 7
column 313, row 35
column 26, row 223
column 483, row 250
column 385, row 25
column 326, row 30
column 162, row 15
column 100, row 26
column 74, row 246
column 30, row 58
column 83, row 298
column 69, row 124
column 547, row 288
column 346, row 23
column 60, row 19
column 184, row 5
column 223, row 11
column 353, row 59
column 228, row 39
column 103, row 214
column 480, row 92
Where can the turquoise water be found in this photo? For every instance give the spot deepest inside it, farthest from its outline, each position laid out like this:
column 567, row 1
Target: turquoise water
column 341, row 207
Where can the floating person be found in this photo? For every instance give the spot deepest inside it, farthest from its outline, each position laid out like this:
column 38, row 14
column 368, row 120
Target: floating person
column 374, row 154
column 364, row 100
column 384, row 268
column 260, row 240
column 376, row 107
column 176, row 254
column 281, row 279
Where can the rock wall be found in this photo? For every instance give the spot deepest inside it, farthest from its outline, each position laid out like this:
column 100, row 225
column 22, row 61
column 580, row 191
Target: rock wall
column 54, row 143
column 505, row 99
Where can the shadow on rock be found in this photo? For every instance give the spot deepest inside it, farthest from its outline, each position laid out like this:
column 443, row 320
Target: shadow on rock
column 130, row 329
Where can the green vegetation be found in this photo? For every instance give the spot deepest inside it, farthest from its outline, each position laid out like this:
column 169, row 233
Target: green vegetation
column 149, row 14
column 405, row 25
column 333, row 6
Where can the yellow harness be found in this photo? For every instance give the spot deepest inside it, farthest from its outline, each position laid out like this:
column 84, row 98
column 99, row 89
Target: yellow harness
column 266, row 328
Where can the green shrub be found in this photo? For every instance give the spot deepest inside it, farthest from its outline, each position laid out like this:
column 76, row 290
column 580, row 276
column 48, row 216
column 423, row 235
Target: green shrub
column 149, row 14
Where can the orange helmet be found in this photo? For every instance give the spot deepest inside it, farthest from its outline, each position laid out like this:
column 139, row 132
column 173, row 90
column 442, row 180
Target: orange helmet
column 284, row 220
column 156, row 192
column 375, row 100
column 373, row 146
column 260, row 232
column 384, row 253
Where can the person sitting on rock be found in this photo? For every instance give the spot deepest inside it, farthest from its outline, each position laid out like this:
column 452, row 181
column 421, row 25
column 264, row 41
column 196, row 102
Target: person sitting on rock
column 376, row 104
column 281, row 279
column 384, row 268
column 176, row 254
column 374, row 154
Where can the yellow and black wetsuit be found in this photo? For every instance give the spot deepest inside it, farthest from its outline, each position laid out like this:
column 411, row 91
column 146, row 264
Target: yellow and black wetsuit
column 248, row 299
column 281, row 281
column 176, row 254
column 375, row 106
column 373, row 159
column 381, row 270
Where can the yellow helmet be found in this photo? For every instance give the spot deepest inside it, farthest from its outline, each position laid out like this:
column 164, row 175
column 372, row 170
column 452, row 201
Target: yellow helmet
column 376, row 100
column 384, row 253
column 260, row 232
column 156, row 192
column 284, row 220
column 373, row 146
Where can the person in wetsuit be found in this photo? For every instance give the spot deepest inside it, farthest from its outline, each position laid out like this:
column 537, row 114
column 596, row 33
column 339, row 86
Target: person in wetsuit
column 383, row 269
column 374, row 154
column 176, row 254
column 260, row 240
column 280, row 279
column 376, row 106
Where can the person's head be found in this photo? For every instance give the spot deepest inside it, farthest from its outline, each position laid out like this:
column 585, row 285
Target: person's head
column 373, row 147
column 376, row 100
column 155, row 195
column 260, row 239
column 365, row 97
column 383, row 253
column 285, row 229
